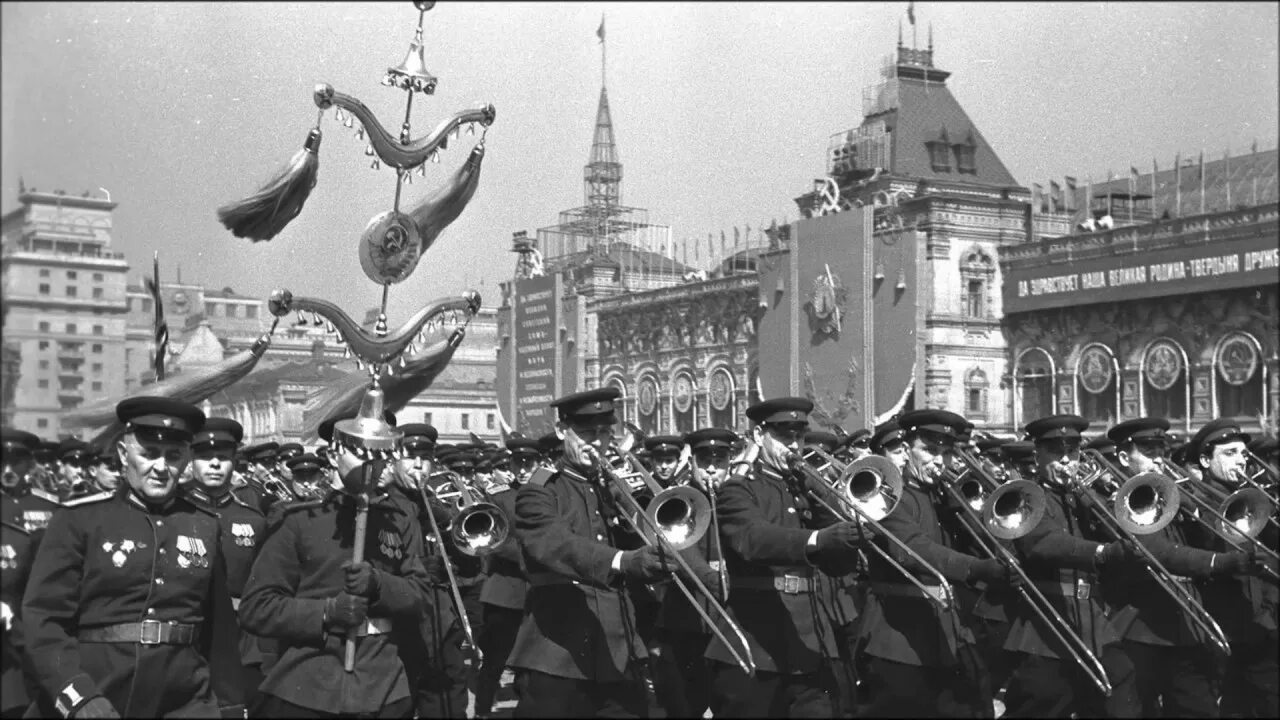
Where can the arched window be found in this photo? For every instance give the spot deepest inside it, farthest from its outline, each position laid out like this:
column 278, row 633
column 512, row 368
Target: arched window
column 1164, row 381
column 682, row 404
column 1096, row 385
column 976, row 388
column 1033, row 377
column 977, row 273
column 1238, row 376
column 720, row 392
column 647, row 405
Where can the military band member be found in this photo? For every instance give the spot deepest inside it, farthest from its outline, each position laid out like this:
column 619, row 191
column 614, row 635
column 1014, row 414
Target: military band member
column 127, row 596
column 823, row 440
column 307, row 479
column 552, row 448
column 17, row 548
column 44, row 474
column 577, row 652
column 468, row 569
column 912, row 642
column 1062, row 556
column 1174, row 663
column 305, row 591
column 106, row 471
column 855, row 446
column 1020, row 456
column 505, row 585
column 681, row 675
column 664, row 453
column 75, row 459
column 213, row 453
column 782, row 550
column 1245, row 606
column 261, row 459
column 21, row 502
column 890, row 441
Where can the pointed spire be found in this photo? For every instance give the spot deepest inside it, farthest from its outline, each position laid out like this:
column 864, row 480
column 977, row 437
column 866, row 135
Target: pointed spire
column 930, row 37
column 899, row 33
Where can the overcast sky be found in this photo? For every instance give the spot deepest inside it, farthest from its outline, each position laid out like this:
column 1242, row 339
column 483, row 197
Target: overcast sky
column 721, row 112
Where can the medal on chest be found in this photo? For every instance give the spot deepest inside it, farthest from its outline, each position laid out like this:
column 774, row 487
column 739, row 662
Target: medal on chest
column 243, row 533
column 191, row 552
column 121, row 550
column 8, row 557
column 34, row 520
column 389, row 544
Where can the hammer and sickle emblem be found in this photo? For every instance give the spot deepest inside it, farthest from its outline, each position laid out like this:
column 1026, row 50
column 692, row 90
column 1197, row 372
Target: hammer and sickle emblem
column 830, row 194
column 395, row 238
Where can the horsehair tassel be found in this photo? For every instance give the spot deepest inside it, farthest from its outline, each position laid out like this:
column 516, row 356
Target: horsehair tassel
column 264, row 214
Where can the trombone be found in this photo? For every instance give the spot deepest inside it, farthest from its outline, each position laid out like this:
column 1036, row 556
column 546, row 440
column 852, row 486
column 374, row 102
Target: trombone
column 1239, row 516
column 674, row 519
column 1144, row 505
column 479, row 526
column 867, row 491
column 992, row 511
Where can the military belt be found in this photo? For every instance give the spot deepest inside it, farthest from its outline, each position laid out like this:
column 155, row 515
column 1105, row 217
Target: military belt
column 786, row 584
column 374, row 626
column 889, row 589
column 1080, row 589
column 147, row 632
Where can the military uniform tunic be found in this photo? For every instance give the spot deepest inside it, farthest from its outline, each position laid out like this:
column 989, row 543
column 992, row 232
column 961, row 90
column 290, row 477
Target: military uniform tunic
column 17, row 548
column 30, row 510
column 116, row 560
column 300, row 566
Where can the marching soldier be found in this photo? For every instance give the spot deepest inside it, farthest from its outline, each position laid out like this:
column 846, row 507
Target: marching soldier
column 781, row 550
column 1021, row 458
column 681, row 674
column 21, row 503
column 890, row 441
column 468, row 569
column 261, row 459
column 855, row 446
column 505, row 586
column 911, row 642
column 1062, row 556
column 664, row 451
column 306, row 591
column 825, row 441
column 440, row 683
column 577, row 652
column 213, row 453
column 17, row 547
column 75, row 458
column 1174, row 663
column 1245, row 606
column 551, row 447
column 106, row 471
column 127, row 599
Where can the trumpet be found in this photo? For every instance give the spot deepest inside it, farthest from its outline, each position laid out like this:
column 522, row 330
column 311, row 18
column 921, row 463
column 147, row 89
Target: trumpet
column 676, row 518
column 1143, row 505
column 865, row 491
column 993, row 511
column 272, row 484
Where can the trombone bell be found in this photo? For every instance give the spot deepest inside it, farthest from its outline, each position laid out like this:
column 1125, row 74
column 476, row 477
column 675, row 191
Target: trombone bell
column 479, row 528
column 1013, row 509
column 682, row 514
column 873, row 484
column 1146, row 503
column 1247, row 509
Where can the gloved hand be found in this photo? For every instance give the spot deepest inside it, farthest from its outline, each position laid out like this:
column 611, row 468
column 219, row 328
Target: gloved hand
column 645, row 564
column 1118, row 553
column 1237, row 563
column 98, row 707
column 436, row 573
column 344, row 611
column 361, row 579
column 992, row 571
column 837, row 543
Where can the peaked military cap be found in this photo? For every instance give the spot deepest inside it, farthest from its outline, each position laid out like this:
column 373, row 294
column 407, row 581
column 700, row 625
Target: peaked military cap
column 886, row 435
column 1102, row 444
column 1178, row 454
column 520, row 445
column 823, row 439
column 1056, row 426
column 664, row 444
column 46, row 451
column 550, row 443
column 218, row 431
column 1140, row 429
column 860, row 438
column 711, row 438
column 1262, row 446
column 939, row 422
column 419, row 436
column 781, row 410
column 160, row 418
column 991, row 445
column 459, row 460
column 289, row 450
column 74, row 450
column 1216, row 432
column 1019, row 450
column 13, row 439
column 589, row 405
column 305, row 462
column 261, row 453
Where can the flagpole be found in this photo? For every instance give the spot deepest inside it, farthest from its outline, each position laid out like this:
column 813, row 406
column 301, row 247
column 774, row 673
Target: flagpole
column 1177, row 183
column 1202, row 181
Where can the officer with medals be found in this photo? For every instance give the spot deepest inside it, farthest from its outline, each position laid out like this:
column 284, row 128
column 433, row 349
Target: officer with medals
column 782, row 551
column 505, row 586
column 577, row 653
column 911, row 640
column 22, row 504
column 17, row 548
column 213, row 453
column 436, row 657
column 681, row 673
column 127, row 611
column 306, row 591
column 1244, row 606
column 1174, row 663
column 1062, row 556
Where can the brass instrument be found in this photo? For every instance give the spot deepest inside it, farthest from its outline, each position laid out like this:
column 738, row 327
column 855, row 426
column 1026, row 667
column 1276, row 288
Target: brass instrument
column 272, row 483
column 1007, row 511
column 1265, row 469
column 480, row 526
column 866, row 491
column 1143, row 505
column 1237, row 517
column 676, row 518
column 423, row 489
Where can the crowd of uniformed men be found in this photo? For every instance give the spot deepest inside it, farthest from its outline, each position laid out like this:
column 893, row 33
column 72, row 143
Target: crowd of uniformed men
column 174, row 573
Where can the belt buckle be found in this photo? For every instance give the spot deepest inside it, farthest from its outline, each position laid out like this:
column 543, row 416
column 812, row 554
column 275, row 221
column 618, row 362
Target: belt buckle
column 150, row 634
column 791, row 584
column 1082, row 589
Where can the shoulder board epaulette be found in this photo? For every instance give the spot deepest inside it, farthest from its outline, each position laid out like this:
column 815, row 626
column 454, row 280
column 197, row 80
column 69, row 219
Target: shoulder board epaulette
column 206, row 510
column 235, row 499
column 15, row 526
column 47, row 496
column 89, row 499
column 541, row 476
column 291, row 507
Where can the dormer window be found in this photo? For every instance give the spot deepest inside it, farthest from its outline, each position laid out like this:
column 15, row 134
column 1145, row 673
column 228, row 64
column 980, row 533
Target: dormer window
column 940, row 152
column 964, row 152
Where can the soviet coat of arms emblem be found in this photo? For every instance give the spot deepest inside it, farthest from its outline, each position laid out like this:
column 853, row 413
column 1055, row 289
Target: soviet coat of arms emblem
column 825, row 302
